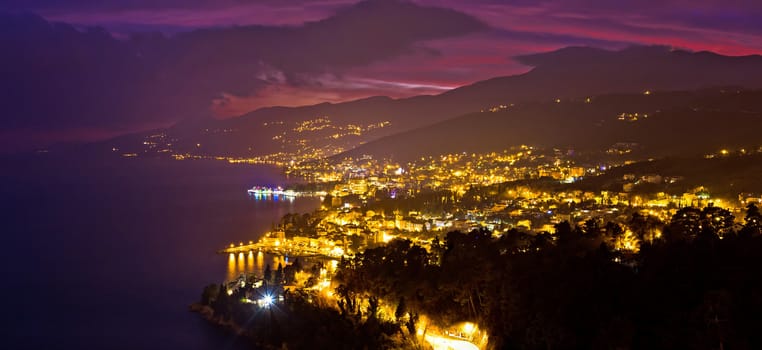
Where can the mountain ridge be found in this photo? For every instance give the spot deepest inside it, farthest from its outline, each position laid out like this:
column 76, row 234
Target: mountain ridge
column 572, row 72
column 658, row 123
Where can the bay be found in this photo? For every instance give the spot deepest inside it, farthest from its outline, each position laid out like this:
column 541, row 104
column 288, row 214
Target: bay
column 109, row 254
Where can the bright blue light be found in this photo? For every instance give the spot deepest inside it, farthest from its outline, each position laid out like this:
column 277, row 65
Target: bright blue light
column 266, row 301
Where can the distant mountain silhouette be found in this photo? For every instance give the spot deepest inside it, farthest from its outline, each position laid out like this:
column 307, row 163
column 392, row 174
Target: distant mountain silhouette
column 654, row 124
column 582, row 71
column 96, row 83
column 573, row 72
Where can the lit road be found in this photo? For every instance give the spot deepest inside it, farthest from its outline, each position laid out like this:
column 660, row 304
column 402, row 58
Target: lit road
column 445, row 343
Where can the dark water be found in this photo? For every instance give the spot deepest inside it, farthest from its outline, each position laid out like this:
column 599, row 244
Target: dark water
column 110, row 255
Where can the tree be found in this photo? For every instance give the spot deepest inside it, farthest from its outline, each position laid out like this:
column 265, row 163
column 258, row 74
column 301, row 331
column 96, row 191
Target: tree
column 222, row 305
column 400, row 312
column 411, row 323
column 541, row 240
column 685, row 224
column 437, row 250
column 645, row 227
column 563, row 231
column 268, row 274
column 752, row 221
column 210, row 294
column 592, row 227
column 289, row 274
column 717, row 220
column 297, row 265
column 278, row 278
column 372, row 307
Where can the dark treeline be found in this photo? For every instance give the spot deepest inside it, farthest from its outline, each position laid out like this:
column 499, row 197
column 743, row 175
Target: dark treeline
column 696, row 285
column 298, row 321
column 296, row 317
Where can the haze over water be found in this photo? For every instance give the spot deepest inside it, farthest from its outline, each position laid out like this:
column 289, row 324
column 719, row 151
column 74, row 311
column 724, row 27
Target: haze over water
column 109, row 256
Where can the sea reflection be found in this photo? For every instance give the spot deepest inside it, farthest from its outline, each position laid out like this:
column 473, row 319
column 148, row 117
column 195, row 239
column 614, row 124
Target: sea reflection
column 251, row 263
column 255, row 263
column 274, row 197
column 260, row 259
column 231, row 267
column 276, row 260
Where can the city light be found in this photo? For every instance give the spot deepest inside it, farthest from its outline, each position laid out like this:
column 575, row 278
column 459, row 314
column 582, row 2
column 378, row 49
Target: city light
column 398, row 174
column 266, row 301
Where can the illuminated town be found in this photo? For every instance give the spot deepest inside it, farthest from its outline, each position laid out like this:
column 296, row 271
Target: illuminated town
column 614, row 196
column 381, row 174
column 521, row 193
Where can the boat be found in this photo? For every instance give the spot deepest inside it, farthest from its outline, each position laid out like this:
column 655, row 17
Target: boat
column 266, row 191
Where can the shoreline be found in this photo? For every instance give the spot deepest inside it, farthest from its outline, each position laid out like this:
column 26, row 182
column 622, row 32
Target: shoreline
column 207, row 313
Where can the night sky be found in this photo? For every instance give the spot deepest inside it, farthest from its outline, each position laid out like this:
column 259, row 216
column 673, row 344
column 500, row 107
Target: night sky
column 82, row 70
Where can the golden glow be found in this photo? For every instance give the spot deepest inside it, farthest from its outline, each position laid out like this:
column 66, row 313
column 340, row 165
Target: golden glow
column 337, row 251
column 333, row 265
column 260, row 260
column 240, row 265
column 628, row 242
column 231, row 267
column 421, row 325
column 250, row 262
column 442, row 343
column 468, row 327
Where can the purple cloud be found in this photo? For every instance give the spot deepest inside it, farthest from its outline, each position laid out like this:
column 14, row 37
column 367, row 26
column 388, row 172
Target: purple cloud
column 230, row 56
column 56, row 77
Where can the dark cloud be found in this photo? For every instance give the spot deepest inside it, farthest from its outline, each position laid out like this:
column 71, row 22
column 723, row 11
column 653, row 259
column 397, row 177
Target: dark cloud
column 118, row 5
column 172, row 16
column 56, row 77
column 571, row 39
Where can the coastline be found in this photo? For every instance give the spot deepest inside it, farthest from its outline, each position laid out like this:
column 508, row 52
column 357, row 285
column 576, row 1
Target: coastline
column 207, row 313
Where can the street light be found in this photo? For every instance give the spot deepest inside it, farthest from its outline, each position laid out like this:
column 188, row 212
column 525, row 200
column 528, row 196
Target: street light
column 266, row 300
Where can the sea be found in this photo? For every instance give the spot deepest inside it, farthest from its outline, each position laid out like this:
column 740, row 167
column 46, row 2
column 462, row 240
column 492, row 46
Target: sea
column 109, row 254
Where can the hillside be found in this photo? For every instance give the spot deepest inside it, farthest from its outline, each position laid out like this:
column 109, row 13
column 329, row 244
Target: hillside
column 568, row 73
column 653, row 124
column 724, row 176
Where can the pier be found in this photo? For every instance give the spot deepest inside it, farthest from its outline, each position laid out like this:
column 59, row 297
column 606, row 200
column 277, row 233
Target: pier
column 279, row 191
column 291, row 251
